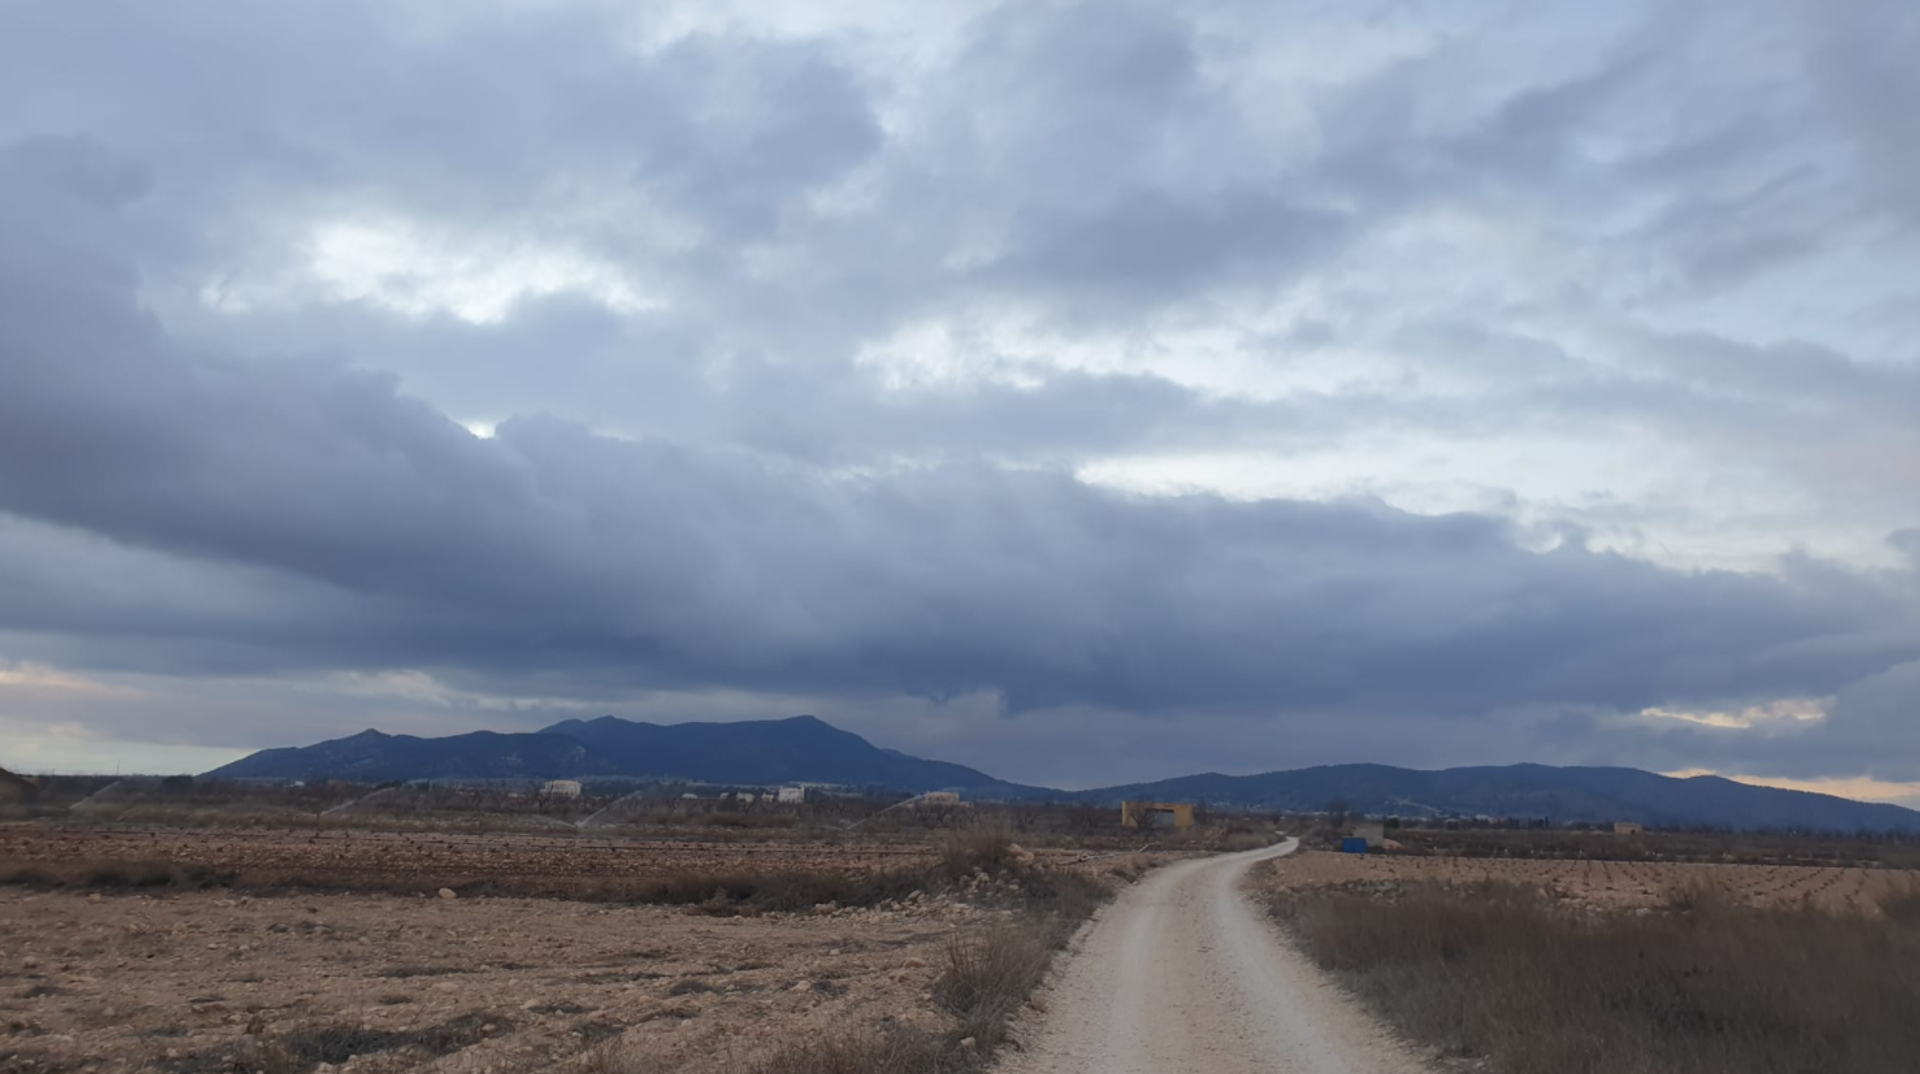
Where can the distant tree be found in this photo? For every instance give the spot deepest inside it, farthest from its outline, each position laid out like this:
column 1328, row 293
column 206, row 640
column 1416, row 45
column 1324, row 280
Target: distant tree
column 1338, row 811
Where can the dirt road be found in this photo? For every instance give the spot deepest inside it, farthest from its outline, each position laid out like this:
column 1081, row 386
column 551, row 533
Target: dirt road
column 1184, row 976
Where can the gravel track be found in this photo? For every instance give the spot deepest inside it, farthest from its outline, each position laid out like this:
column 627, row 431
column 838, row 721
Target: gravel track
column 1183, row 974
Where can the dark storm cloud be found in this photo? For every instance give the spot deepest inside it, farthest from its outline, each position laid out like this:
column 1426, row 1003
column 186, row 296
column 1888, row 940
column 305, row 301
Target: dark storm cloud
column 211, row 464
column 649, row 564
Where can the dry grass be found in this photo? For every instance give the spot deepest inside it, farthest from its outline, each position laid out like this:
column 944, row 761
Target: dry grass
column 988, row 978
column 1706, row 985
column 720, row 892
column 985, row 981
column 1831, row 850
column 987, row 844
column 303, row 1049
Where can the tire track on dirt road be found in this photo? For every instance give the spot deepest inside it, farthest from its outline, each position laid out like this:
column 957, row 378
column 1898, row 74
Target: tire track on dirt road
column 1184, row 975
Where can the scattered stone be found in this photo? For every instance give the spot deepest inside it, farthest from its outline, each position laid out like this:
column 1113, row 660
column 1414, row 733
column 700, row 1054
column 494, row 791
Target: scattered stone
column 449, row 893
column 914, row 963
column 967, row 1044
column 803, row 986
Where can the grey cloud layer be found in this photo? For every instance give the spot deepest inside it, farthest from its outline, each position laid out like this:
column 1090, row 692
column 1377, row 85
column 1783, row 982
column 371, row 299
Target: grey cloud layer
column 278, row 487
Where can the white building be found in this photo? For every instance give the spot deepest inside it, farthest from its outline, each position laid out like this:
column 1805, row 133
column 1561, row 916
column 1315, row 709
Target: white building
column 793, row 794
column 561, row 788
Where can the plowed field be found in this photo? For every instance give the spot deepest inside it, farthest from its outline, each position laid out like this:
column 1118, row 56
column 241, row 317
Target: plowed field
column 1610, row 884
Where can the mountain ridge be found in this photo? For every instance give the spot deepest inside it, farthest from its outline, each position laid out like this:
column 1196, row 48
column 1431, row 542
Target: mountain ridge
column 806, row 749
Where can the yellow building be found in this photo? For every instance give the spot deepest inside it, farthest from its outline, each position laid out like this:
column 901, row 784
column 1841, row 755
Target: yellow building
column 1138, row 814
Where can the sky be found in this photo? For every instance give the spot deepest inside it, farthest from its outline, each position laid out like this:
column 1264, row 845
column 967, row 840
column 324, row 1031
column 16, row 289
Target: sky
column 1084, row 392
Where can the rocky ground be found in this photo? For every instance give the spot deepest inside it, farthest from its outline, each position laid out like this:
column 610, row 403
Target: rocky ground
column 209, row 981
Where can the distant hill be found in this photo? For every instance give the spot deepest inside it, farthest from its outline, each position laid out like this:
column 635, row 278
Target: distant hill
column 801, row 749
column 15, row 788
column 805, row 749
column 751, row 752
column 373, row 757
column 1527, row 790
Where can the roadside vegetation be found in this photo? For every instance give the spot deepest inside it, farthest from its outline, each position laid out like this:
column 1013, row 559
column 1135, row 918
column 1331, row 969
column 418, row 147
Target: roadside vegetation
column 1500, row 976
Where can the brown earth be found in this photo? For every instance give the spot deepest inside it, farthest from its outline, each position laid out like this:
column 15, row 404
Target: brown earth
column 433, row 858
column 205, row 981
column 1608, row 884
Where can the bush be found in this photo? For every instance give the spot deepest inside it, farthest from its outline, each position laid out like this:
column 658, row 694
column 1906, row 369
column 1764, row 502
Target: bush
column 986, row 845
column 988, row 977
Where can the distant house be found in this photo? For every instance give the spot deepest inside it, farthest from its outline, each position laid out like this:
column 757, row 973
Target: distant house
column 793, row 794
column 1628, row 827
column 561, row 788
column 1156, row 815
column 14, row 788
column 746, row 796
column 938, row 798
column 1373, row 831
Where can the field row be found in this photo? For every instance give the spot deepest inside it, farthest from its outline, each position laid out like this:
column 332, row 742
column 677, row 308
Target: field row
column 1609, row 884
column 435, row 857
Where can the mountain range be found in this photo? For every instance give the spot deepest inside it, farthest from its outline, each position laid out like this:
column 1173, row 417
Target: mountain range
column 806, row 749
column 746, row 753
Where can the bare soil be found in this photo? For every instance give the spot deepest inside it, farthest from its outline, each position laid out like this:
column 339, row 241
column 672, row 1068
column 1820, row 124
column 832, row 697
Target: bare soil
column 434, row 859
column 205, row 981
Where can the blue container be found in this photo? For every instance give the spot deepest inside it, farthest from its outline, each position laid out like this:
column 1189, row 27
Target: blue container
column 1353, row 845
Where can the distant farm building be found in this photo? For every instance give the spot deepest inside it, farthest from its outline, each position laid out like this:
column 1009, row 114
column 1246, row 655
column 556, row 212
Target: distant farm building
column 1373, row 831
column 1156, row 815
column 1628, row 827
column 746, row 796
column 938, row 798
column 15, row 789
column 793, row 794
column 561, row 788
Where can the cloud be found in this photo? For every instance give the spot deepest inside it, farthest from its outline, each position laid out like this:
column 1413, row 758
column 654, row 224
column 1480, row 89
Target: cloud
column 831, row 360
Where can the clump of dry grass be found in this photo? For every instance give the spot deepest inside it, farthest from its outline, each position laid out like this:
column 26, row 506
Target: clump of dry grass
column 989, row 976
column 986, row 844
column 304, row 1048
column 116, row 874
column 901, row 1051
column 1703, row 986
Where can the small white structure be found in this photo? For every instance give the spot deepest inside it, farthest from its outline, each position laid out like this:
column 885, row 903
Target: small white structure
column 938, row 798
column 561, row 788
column 1373, row 831
column 746, row 796
column 793, row 794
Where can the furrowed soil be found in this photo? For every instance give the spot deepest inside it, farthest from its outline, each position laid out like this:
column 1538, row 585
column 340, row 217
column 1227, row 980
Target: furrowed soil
column 206, row 981
column 375, row 859
column 288, row 952
column 1609, row 885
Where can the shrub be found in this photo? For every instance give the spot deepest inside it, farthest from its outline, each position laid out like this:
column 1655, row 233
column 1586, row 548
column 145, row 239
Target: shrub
column 986, row 845
column 988, row 977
